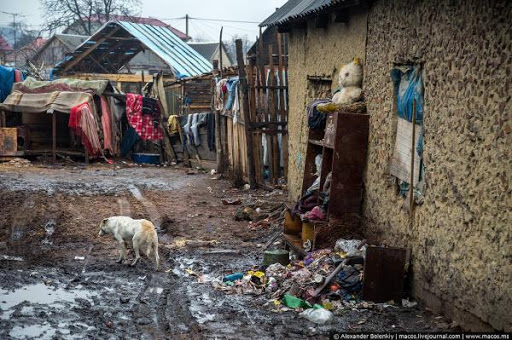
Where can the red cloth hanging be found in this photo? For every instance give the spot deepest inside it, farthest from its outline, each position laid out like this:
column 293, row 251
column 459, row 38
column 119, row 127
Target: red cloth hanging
column 146, row 125
column 106, row 123
column 81, row 121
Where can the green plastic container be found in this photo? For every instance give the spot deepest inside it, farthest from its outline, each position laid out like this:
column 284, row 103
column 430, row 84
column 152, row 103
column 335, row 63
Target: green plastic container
column 291, row 301
column 276, row 256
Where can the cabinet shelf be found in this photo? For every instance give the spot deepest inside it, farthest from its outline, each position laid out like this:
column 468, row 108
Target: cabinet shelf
column 320, row 143
column 345, row 158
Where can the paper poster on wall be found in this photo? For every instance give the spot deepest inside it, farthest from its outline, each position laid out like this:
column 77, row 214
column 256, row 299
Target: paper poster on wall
column 401, row 162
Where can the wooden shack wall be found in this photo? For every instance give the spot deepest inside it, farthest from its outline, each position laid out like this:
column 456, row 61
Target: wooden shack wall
column 236, row 155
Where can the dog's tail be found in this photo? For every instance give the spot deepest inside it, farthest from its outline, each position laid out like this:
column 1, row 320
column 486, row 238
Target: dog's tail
column 155, row 245
column 152, row 241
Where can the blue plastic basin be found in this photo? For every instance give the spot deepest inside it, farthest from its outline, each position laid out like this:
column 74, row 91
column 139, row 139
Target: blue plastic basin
column 147, row 158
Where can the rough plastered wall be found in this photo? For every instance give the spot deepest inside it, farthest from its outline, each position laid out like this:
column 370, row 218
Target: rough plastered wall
column 461, row 235
column 316, row 51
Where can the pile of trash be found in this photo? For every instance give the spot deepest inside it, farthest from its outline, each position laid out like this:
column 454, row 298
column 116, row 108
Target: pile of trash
column 259, row 213
column 20, row 162
column 324, row 283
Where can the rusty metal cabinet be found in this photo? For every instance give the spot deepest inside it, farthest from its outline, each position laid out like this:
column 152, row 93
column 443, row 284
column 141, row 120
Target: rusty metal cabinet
column 343, row 146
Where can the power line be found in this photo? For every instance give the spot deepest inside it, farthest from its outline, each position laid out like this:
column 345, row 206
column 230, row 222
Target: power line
column 15, row 14
column 215, row 20
column 216, row 28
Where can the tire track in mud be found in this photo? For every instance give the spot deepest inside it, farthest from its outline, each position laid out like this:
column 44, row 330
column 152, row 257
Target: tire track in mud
column 154, row 215
column 124, row 207
column 171, row 315
column 18, row 220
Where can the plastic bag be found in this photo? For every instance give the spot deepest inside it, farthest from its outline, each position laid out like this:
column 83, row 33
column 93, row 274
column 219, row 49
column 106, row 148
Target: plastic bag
column 314, row 186
column 319, row 316
column 318, row 164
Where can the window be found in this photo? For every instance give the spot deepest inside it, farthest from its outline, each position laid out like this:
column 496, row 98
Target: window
column 407, row 162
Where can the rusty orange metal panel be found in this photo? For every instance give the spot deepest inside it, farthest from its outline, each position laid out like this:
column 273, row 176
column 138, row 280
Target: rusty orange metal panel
column 8, row 141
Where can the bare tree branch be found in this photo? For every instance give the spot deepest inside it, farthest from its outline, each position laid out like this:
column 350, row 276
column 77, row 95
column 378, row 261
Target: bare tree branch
column 79, row 16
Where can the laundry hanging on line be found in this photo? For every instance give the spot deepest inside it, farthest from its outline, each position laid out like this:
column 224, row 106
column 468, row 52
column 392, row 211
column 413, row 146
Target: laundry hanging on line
column 144, row 116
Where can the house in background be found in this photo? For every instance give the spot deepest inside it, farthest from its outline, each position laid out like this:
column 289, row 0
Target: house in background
column 55, row 50
column 460, row 235
column 19, row 58
column 99, row 21
column 268, row 38
column 210, row 50
column 5, row 49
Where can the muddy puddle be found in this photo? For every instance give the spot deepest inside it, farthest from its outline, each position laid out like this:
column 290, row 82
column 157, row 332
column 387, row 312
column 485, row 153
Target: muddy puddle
column 97, row 179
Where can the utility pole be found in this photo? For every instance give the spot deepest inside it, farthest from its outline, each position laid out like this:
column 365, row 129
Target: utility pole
column 14, row 15
column 186, row 24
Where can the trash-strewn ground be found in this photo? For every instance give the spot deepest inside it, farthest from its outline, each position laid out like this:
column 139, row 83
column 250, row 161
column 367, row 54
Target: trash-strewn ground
column 60, row 280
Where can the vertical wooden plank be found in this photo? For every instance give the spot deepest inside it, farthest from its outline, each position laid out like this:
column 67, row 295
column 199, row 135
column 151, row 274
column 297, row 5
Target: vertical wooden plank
column 218, row 142
column 236, row 146
column 273, row 115
column 54, row 137
column 252, row 115
column 413, row 153
column 282, row 108
column 229, row 128
column 220, row 51
column 142, row 83
column 224, row 141
column 244, row 154
column 245, row 111
column 182, row 99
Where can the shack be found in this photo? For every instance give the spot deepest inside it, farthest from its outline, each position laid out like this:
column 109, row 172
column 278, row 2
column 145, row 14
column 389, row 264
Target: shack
column 454, row 214
column 37, row 118
column 116, row 43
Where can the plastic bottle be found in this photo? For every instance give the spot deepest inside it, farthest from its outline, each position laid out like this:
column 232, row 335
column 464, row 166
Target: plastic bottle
column 233, row 277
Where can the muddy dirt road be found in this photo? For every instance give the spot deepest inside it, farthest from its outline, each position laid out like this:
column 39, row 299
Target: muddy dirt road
column 60, row 280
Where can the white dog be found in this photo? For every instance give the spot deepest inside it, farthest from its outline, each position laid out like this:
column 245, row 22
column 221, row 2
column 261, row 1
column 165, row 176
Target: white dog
column 138, row 232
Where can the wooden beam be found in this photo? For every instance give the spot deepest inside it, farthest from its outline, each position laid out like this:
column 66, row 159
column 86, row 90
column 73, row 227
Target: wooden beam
column 84, row 54
column 98, row 64
column 123, row 38
column 247, row 118
column 54, row 136
column 117, row 77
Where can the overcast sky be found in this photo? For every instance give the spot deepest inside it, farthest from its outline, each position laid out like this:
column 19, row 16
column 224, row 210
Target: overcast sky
column 242, row 10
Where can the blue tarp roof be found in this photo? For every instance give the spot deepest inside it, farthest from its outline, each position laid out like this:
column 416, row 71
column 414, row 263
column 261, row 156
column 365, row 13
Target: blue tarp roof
column 116, row 49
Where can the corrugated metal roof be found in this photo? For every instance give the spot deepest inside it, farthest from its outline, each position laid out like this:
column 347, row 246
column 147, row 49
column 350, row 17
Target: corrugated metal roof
column 70, row 40
column 295, row 9
column 112, row 52
column 165, row 44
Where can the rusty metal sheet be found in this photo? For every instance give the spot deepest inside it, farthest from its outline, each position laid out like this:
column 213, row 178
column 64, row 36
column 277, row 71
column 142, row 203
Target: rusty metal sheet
column 8, row 141
column 384, row 272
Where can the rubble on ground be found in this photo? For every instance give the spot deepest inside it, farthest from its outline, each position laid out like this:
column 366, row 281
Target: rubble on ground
column 20, row 162
column 293, row 287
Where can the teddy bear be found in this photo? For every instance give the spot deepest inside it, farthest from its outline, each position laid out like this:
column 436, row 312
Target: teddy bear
column 350, row 79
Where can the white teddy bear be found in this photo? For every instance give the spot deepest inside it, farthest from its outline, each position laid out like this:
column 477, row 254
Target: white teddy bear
column 350, row 80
